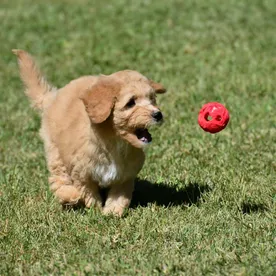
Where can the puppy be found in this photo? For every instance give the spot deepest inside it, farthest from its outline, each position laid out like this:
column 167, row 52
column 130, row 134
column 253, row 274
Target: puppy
column 94, row 131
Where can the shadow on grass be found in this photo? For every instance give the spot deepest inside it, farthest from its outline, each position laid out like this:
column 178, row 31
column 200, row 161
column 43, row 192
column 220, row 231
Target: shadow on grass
column 163, row 195
column 249, row 207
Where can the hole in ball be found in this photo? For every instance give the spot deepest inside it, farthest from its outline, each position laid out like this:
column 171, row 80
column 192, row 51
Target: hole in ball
column 207, row 116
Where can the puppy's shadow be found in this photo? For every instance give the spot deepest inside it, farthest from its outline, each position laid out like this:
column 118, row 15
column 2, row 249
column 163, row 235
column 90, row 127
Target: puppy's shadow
column 161, row 194
column 164, row 195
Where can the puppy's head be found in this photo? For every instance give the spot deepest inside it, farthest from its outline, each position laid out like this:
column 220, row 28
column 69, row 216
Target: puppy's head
column 128, row 99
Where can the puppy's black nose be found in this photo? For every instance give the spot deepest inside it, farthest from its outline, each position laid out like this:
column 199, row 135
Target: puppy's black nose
column 157, row 116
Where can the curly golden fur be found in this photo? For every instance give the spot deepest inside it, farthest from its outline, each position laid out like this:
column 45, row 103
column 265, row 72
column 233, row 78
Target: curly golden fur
column 94, row 131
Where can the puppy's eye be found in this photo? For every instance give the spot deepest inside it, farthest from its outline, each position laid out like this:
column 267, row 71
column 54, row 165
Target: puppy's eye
column 153, row 98
column 130, row 103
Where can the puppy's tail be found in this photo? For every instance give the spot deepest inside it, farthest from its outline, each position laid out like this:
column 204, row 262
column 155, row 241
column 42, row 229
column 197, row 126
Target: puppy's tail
column 37, row 88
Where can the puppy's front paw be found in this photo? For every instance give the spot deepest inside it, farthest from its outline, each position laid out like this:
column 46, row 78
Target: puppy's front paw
column 114, row 210
column 93, row 201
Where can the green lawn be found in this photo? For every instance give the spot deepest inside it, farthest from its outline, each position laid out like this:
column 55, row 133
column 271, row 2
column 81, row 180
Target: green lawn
column 204, row 204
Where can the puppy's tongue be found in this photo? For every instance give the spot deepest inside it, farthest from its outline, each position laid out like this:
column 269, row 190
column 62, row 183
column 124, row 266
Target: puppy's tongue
column 143, row 135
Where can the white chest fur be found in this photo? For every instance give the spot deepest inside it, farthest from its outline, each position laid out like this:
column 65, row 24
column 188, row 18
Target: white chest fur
column 113, row 165
column 106, row 173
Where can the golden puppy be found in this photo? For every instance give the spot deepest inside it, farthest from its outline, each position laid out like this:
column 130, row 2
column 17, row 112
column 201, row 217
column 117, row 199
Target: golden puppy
column 94, row 131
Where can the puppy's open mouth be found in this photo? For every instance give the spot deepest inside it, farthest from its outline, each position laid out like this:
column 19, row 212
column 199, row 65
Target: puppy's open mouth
column 143, row 135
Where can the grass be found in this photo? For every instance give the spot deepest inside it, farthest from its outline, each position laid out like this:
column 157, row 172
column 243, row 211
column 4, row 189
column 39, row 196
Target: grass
column 204, row 204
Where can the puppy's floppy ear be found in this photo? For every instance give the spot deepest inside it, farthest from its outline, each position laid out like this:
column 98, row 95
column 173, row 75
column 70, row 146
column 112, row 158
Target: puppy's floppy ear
column 99, row 99
column 159, row 89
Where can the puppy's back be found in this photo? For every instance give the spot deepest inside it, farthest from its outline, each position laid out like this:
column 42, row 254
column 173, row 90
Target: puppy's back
column 65, row 120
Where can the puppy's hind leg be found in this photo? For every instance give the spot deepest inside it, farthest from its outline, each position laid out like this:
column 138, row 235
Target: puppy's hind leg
column 66, row 193
column 60, row 181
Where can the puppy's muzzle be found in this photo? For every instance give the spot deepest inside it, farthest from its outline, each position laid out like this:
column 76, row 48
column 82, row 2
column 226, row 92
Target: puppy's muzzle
column 157, row 116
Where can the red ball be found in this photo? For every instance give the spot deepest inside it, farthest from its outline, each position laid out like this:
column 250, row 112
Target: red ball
column 213, row 117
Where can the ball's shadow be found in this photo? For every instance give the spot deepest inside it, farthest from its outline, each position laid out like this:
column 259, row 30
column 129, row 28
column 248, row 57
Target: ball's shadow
column 164, row 195
column 251, row 207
